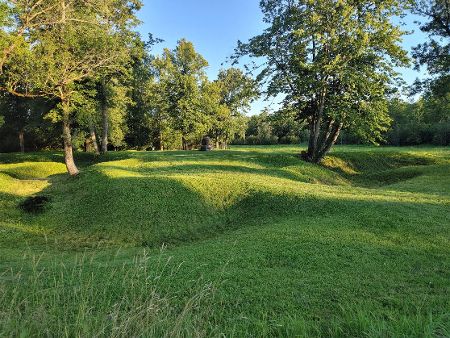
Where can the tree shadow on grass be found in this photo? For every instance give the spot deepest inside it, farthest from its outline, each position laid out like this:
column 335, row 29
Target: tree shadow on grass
column 313, row 267
column 95, row 210
column 205, row 169
column 155, row 207
column 84, row 160
column 375, row 161
column 81, row 159
column 291, row 253
column 17, row 228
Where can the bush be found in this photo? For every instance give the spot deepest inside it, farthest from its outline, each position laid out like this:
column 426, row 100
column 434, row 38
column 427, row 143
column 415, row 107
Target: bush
column 415, row 134
column 441, row 134
column 289, row 140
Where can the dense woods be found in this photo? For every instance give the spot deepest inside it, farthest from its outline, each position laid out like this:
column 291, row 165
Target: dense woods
column 76, row 75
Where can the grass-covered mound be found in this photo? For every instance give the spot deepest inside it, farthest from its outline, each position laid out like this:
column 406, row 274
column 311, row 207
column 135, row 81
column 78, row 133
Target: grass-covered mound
column 259, row 243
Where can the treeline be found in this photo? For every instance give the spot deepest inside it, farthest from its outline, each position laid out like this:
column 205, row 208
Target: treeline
column 76, row 75
column 160, row 102
column 424, row 122
column 138, row 114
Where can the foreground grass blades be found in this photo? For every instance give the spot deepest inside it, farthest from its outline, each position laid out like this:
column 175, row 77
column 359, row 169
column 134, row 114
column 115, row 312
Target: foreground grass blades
column 257, row 243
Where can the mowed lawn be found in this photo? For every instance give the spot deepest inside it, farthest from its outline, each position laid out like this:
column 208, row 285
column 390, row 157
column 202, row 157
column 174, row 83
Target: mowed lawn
column 248, row 242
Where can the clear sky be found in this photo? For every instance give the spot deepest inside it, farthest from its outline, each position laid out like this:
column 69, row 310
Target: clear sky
column 215, row 26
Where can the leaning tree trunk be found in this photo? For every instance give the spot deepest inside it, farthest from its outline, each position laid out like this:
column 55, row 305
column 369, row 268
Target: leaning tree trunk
column 308, row 154
column 330, row 140
column 315, row 125
column 22, row 141
column 314, row 141
column 68, row 148
column 322, row 139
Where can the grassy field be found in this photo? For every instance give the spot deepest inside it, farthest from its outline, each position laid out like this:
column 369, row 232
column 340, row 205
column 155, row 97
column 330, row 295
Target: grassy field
column 249, row 242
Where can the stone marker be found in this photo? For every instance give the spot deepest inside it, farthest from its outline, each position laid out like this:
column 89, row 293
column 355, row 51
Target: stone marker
column 206, row 144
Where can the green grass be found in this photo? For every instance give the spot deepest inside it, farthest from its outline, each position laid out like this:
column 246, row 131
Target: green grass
column 256, row 243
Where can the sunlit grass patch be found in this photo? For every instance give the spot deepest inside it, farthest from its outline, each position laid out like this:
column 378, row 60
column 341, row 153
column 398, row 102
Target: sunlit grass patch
column 15, row 187
column 33, row 170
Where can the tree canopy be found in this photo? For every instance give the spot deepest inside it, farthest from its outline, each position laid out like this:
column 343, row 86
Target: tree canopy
column 435, row 53
column 435, row 56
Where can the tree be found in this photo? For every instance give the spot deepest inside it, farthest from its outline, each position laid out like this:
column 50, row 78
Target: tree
column 22, row 117
column 142, row 77
column 179, row 75
column 114, row 89
column 422, row 122
column 332, row 61
column 113, row 100
column 220, row 117
column 237, row 89
column 285, row 125
column 86, row 112
column 100, row 107
column 24, row 127
column 161, row 99
column 17, row 19
column 435, row 55
column 53, row 45
column 260, row 130
column 233, row 91
column 19, row 112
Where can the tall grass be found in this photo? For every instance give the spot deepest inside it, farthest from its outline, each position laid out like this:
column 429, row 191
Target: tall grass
column 91, row 298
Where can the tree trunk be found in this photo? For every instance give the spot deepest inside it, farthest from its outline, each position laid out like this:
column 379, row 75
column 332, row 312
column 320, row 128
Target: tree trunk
column 22, row 141
column 105, row 122
column 68, row 149
column 105, row 117
column 314, row 131
column 315, row 128
column 330, row 141
column 160, row 142
column 94, row 141
column 320, row 144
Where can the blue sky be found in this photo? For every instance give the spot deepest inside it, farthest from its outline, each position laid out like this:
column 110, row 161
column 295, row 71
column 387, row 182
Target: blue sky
column 215, row 26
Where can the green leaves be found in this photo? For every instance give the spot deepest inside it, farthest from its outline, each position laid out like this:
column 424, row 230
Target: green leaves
column 237, row 89
column 52, row 45
column 331, row 59
column 435, row 54
column 184, row 104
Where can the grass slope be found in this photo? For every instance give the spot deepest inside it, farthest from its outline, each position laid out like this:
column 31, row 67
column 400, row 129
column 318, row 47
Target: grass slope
column 257, row 243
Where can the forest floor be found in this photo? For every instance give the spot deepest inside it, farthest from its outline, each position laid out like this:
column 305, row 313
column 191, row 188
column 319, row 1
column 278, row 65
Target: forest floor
column 248, row 242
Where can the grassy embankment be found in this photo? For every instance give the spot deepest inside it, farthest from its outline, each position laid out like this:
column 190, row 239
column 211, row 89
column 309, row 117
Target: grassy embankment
column 257, row 243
